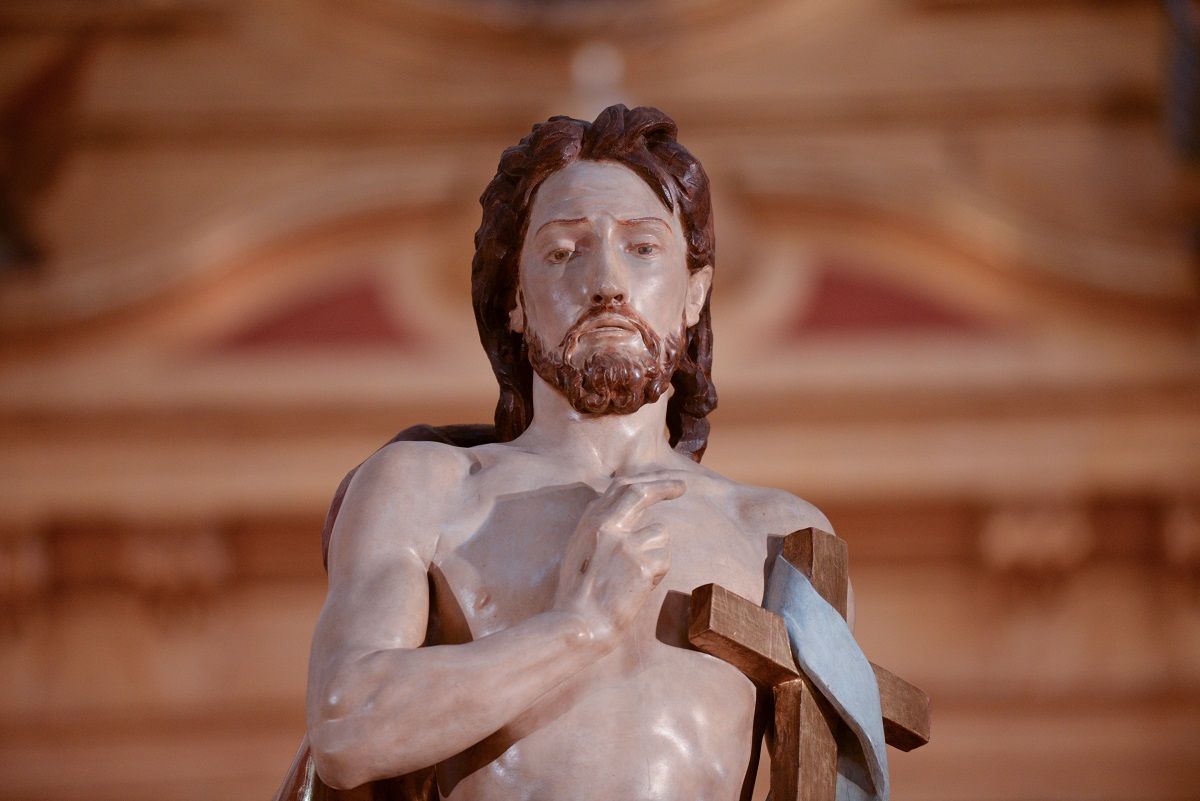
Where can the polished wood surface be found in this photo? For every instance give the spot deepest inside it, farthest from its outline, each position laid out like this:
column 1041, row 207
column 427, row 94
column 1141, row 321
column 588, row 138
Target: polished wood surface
column 804, row 744
column 743, row 634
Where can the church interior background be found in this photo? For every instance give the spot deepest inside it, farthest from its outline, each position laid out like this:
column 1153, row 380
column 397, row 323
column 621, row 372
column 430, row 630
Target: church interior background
column 955, row 307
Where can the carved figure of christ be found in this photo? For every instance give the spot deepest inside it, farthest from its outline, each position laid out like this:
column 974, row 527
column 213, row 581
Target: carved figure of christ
column 546, row 574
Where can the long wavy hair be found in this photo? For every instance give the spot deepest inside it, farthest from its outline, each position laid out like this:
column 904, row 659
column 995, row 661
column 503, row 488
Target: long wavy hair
column 642, row 139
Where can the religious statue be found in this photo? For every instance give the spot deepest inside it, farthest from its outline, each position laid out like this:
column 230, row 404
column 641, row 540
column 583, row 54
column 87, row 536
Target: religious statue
column 556, row 608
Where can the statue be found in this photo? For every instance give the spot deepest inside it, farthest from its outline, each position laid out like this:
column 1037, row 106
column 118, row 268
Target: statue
column 546, row 565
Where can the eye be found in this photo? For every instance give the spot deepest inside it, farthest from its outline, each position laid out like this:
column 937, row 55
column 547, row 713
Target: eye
column 559, row 255
column 645, row 249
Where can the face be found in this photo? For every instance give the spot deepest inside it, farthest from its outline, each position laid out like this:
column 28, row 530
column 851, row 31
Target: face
column 604, row 286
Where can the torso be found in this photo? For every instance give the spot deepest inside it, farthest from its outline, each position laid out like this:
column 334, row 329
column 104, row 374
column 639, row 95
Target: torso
column 653, row 719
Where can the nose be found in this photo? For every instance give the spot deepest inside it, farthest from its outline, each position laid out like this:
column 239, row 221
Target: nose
column 608, row 297
column 609, row 284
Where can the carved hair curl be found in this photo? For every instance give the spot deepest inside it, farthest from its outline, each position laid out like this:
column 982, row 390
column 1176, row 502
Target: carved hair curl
column 642, row 139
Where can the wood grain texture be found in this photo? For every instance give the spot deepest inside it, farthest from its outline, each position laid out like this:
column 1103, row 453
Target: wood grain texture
column 906, row 711
column 740, row 632
column 754, row 640
column 824, row 559
column 805, row 727
column 804, row 750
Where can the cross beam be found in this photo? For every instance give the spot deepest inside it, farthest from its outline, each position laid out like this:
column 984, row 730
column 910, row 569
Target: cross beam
column 755, row 640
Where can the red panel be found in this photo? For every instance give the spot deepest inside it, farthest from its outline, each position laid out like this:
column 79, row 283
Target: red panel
column 346, row 316
column 848, row 302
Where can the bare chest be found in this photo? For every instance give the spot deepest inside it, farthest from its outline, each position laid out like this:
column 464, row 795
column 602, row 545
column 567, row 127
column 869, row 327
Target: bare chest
column 505, row 568
column 653, row 718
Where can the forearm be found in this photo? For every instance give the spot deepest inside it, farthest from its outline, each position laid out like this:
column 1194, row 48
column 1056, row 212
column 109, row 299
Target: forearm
column 394, row 711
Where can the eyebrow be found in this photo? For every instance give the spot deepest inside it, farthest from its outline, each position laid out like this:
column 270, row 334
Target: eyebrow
column 574, row 221
column 640, row 220
column 580, row 220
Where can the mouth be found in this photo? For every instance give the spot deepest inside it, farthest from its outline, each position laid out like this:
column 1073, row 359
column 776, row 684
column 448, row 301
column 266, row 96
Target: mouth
column 609, row 329
column 611, row 324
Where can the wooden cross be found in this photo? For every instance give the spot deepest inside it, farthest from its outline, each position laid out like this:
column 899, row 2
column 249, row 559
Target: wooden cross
column 755, row 640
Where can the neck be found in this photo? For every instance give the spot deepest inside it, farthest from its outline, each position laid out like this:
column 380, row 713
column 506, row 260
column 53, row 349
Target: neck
column 613, row 444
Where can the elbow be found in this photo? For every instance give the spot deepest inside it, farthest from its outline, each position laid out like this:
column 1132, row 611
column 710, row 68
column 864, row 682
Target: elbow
column 353, row 742
column 336, row 765
column 349, row 764
column 338, row 757
column 350, row 750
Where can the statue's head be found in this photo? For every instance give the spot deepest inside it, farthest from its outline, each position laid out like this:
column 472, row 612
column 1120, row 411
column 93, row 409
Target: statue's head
column 592, row 268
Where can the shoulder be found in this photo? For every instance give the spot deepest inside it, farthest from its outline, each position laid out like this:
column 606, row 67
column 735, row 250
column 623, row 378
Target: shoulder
column 421, row 476
column 417, row 465
column 397, row 498
column 766, row 511
column 778, row 512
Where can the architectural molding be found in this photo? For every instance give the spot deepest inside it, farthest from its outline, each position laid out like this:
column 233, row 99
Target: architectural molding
column 1181, row 536
column 26, row 574
column 1040, row 542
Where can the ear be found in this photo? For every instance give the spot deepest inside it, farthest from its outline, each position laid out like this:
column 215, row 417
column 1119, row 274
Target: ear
column 516, row 315
column 699, row 283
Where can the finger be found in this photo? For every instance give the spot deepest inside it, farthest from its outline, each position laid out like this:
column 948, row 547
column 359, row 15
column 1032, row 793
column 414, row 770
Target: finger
column 658, row 563
column 620, row 484
column 650, row 537
column 637, row 497
column 652, row 475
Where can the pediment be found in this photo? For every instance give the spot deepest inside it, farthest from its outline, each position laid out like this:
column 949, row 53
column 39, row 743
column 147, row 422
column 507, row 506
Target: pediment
column 262, row 234
column 369, row 305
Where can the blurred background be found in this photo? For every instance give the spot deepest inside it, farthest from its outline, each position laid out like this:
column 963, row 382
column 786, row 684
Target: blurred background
column 955, row 306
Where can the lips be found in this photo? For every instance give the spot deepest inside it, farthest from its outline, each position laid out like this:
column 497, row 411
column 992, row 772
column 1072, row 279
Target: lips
column 613, row 320
column 610, row 322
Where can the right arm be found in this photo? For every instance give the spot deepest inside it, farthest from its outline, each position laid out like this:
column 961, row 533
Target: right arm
column 379, row 705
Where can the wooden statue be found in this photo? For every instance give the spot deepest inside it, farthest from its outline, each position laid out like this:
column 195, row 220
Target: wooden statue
column 509, row 608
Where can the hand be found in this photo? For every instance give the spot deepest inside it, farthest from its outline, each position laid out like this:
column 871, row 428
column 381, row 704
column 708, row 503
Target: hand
column 613, row 561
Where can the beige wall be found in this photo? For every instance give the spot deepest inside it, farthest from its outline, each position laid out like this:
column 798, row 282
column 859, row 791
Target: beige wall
column 954, row 307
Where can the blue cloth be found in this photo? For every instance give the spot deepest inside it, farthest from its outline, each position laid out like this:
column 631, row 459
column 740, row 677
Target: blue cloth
column 826, row 651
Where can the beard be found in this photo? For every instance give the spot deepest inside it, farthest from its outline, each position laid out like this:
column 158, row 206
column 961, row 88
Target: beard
column 608, row 380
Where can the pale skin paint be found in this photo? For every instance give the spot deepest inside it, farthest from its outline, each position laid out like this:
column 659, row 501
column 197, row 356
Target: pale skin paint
column 561, row 563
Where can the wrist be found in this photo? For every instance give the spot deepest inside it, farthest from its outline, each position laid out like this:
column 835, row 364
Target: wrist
column 582, row 633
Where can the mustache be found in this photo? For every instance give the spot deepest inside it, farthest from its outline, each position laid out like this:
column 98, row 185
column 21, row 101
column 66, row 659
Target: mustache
column 605, row 315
